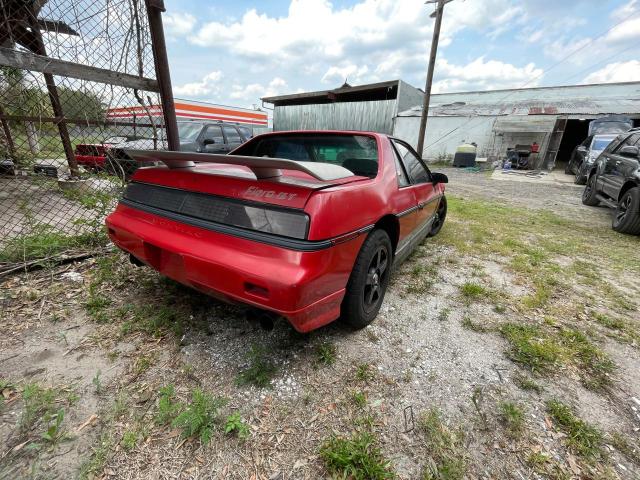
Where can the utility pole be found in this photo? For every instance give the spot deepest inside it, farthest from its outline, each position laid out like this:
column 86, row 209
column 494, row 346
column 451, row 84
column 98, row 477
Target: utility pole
column 432, row 61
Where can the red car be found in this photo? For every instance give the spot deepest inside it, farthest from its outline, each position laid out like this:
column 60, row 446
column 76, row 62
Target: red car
column 307, row 225
column 92, row 155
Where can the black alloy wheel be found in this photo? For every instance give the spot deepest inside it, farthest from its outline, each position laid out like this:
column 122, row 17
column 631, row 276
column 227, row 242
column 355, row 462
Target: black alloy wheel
column 438, row 221
column 589, row 193
column 376, row 275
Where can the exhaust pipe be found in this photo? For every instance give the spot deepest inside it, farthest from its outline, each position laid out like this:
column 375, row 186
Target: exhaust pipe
column 265, row 319
column 136, row 261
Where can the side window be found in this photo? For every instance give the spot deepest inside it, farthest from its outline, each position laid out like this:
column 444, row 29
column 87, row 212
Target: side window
column 587, row 142
column 415, row 169
column 403, row 181
column 245, row 132
column 232, row 134
column 214, row 133
column 630, row 140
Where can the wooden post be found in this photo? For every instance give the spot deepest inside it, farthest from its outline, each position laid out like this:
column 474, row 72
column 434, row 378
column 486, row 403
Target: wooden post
column 427, row 88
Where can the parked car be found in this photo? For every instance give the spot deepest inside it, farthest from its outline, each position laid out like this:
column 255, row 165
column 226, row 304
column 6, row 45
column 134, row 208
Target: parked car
column 306, row 225
column 92, row 155
column 585, row 154
column 195, row 136
column 614, row 180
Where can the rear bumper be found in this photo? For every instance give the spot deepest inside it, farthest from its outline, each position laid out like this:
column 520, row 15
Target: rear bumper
column 306, row 287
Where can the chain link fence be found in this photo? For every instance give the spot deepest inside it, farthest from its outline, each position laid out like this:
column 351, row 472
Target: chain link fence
column 77, row 78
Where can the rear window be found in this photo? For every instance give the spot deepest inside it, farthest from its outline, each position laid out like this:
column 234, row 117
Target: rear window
column 357, row 153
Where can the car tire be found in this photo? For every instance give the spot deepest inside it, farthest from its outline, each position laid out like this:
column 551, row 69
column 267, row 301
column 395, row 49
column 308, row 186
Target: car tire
column 439, row 218
column 579, row 179
column 589, row 193
column 627, row 216
column 368, row 281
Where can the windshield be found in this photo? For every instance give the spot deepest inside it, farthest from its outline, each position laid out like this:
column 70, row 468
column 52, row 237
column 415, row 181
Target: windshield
column 600, row 144
column 357, row 153
column 188, row 131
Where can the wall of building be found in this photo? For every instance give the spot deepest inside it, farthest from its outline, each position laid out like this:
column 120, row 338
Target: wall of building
column 408, row 96
column 375, row 116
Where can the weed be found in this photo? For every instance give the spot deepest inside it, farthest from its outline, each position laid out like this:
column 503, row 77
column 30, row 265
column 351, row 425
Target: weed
column 446, row 459
column 326, row 353
column 513, row 417
column 168, row 409
column 113, row 355
column 472, row 290
column 38, row 401
column 260, row 371
column 443, row 316
column 359, row 398
column 129, row 440
column 95, row 464
column 537, row 461
column 498, row 308
column 96, row 305
column 235, row 424
column 97, row 383
column 356, row 457
column 473, row 326
column 142, row 364
column 620, row 443
column 525, row 383
column 584, row 439
column 54, row 431
column 606, row 321
column 197, row 419
column 364, row 372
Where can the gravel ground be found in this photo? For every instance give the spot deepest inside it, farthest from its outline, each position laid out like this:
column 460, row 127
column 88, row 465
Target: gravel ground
column 430, row 347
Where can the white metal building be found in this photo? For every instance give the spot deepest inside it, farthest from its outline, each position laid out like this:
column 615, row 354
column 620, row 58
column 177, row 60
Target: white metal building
column 554, row 117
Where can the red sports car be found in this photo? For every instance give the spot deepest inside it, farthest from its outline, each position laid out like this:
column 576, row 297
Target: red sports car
column 307, row 225
column 92, row 155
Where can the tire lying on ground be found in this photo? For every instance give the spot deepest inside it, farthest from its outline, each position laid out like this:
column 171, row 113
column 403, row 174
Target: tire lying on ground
column 627, row 216
column 589, row 194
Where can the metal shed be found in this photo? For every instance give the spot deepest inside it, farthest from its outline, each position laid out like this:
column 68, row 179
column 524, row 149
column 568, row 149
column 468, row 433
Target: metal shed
column 370, row 107
column 554, row 117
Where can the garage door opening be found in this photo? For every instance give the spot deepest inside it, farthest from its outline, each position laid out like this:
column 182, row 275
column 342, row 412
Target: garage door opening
column 575, row 132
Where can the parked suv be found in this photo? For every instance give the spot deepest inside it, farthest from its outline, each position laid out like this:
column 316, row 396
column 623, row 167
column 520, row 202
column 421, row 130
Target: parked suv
column 615, row 181
column 195, row 136
column 585, row 154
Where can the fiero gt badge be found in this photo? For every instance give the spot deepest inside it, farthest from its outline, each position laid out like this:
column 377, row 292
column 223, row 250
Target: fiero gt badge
column 259, row 193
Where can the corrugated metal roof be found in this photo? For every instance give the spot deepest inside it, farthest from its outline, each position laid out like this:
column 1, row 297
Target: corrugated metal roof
column 584, row 106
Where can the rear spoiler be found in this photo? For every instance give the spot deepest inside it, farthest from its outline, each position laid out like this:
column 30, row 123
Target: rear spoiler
column 262, row 167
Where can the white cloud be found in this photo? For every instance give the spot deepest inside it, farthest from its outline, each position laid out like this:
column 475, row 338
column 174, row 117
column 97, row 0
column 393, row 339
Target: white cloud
column 482, row 75
column 616, row 72
column 351, row 73
column 628, row 30
column 209, row 86
column 178, row 24
column 253, row 91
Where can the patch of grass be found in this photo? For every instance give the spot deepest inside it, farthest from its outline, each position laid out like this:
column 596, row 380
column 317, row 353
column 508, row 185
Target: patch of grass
column 129, row 440
column 356, row 457
column 473, row 290
column 168, row 409
column 512, row 416
column 499, row 308
column 199, row 417
column 609, row 322
column 540, row 350
column 235, row 424
column 584, row 439
column 154, row 320
column 326, row 353
column 620, row 443
column 142, row 364
column 446, row 458
column 422, row 278
column 443, row 316
column 97, row 383
column 95, row 464
column 96, row 306
column 364, row 372
column 260, row 371
column 525, row 383
column 38, row 402
column 359, row 399
column 54, row 431
column 473, row 326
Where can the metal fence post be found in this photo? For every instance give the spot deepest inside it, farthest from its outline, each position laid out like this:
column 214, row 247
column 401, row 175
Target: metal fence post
column 154, row 11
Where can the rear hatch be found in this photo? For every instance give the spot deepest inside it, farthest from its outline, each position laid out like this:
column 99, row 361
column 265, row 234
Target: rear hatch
column 228, row 195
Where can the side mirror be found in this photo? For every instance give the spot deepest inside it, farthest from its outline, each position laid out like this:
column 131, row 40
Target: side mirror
column 439, row 178
column 630, row 151
column 208, row 141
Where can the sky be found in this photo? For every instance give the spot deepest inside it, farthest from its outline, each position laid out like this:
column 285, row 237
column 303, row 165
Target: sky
column 234, row 53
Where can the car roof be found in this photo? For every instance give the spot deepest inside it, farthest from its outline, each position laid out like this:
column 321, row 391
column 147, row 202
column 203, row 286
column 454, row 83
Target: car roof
column 323, row 132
